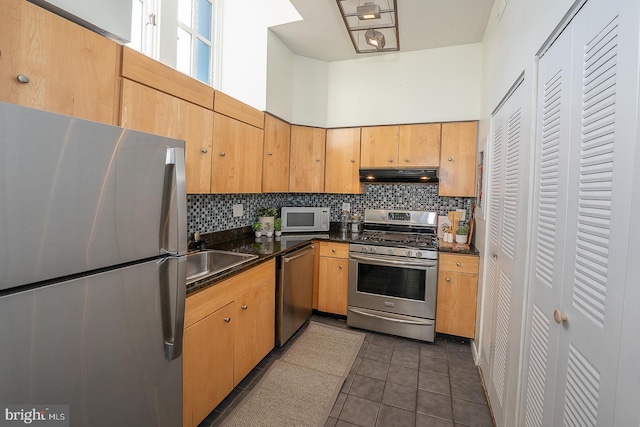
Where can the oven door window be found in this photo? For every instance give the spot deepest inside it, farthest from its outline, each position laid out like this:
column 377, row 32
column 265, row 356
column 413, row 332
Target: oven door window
column 390, row 281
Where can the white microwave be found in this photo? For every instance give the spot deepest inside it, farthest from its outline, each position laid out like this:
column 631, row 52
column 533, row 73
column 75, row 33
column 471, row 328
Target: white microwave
column 301, row 219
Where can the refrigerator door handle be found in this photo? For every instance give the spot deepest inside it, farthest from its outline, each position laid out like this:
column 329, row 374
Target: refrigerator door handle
column 173, row 323
column 174, row 204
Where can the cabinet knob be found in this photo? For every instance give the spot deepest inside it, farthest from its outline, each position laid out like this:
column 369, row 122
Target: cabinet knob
column 270, row 153
column 22, row 78
column 223, row 154
column 450, row 159
column 448, row 279
column 390, row 160
column 495, row 255
column 340, row 266
column 352, row 161
column 204, row 150
column 406, row 160
column 318, row 159
column 227, row 319
column 245, row 306
column 559, row 316
column 458, row 264
column 333, row 251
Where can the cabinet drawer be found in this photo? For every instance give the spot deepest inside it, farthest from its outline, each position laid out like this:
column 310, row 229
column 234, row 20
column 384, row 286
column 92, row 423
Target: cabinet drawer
column 459, row 263
column 334, row 250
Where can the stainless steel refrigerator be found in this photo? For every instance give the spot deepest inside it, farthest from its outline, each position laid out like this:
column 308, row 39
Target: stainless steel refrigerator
column 92, row 269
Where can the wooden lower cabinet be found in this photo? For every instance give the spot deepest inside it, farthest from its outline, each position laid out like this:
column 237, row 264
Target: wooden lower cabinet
column 457, row 289
column 254, row 322
column 333, row 277
column 229, row 328
column 207, row 358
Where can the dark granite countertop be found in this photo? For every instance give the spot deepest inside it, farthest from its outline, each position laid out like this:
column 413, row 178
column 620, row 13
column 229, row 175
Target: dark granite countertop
column 242, row 240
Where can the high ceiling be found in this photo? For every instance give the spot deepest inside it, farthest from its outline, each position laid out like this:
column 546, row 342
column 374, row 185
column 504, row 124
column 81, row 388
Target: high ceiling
column 423, row 24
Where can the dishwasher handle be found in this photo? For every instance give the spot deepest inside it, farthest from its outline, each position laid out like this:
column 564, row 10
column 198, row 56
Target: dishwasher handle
column 298, row 254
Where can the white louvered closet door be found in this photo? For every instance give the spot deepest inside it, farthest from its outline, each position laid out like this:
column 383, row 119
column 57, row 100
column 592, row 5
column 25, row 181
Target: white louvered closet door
column 572, row 365
column 502, row 311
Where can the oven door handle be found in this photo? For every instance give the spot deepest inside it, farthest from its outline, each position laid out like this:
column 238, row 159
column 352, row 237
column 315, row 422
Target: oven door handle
column 390, row 261
column 391, row 319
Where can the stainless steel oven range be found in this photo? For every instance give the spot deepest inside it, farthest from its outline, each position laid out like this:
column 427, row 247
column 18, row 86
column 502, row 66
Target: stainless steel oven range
column 393, row 274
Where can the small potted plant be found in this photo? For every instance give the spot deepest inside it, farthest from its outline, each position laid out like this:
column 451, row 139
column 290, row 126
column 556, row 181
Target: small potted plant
column 268, row 229
column 277, row 225
column 266, row 215
column 461, row 233
column 257, row 228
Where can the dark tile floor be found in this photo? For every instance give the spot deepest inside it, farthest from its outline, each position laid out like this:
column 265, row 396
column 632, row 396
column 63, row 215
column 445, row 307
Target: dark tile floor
column 394, row 382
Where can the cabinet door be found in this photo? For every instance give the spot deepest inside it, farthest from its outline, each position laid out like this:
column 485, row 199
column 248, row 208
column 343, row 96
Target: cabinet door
column 307, row 159
column 149, row 110
column 332, row 288
column 343, row 161
column 255, row 328
column 457, row 159
column 237, row 156
column 71, row 70
column 456, row 303
column 379, row 147
column 419, row 146
column 275, row 162
column 207, row 364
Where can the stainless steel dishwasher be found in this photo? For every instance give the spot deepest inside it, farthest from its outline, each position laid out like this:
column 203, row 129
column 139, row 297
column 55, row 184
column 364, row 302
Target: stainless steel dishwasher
column 294, row 292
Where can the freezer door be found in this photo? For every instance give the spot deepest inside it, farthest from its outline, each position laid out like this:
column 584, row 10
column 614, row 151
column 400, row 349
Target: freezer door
column 99, row 345
column 77, row 195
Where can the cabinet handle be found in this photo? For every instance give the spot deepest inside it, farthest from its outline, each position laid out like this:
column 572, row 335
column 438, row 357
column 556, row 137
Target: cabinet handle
column 223, row 154
column 448, row 279
column 22, row 78
column 495, row 255
column 559, row 316
column 244, row 307
column 406, row 160
column 450, row 159
column 270, row 153
column 204, row 150
column 458, row 264
column 340, row 266
column 227, row 319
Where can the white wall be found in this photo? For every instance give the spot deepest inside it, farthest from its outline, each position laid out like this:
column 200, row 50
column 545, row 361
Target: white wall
column 280, row 66
column 310, row 84
column 424, row 86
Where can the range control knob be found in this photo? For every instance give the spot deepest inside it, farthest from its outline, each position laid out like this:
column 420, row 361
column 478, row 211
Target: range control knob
column 409, row 253
column 364, row 249
column 390, row 251
column 419, row 254
column 372, row 250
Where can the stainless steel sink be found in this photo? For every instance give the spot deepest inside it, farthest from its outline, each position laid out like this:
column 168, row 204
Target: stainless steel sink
column 203, row 264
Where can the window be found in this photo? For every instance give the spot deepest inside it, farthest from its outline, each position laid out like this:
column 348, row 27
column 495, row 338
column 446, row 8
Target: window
column 144, row 27
column 195, row 38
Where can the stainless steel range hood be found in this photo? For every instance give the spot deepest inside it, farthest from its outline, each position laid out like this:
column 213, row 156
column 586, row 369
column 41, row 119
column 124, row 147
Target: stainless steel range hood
column 380, row 176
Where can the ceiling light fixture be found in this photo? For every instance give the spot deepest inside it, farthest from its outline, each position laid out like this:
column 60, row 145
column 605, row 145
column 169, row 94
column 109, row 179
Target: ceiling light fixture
column 375, row 38
column 369, row 10
column 372, row 25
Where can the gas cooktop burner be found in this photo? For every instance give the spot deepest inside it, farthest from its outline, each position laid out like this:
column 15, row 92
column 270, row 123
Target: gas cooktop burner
column 394, row 238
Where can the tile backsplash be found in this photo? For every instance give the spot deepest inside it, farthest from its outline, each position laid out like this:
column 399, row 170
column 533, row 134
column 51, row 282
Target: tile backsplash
column 207, row 213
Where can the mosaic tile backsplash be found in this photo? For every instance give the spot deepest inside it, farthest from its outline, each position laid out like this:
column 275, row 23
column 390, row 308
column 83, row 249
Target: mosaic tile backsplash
column 214, row 212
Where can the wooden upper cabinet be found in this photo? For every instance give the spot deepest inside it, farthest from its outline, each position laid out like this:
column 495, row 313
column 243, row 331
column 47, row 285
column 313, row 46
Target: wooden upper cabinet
column 70, row 70
column 419, row 145
column 379, row 147
column 231, row 107
column 307, row 159
column 275, row 163
column 149, row 110
column 142, row 69
column 236, row 165
column 458, row 159
column 343, row 161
